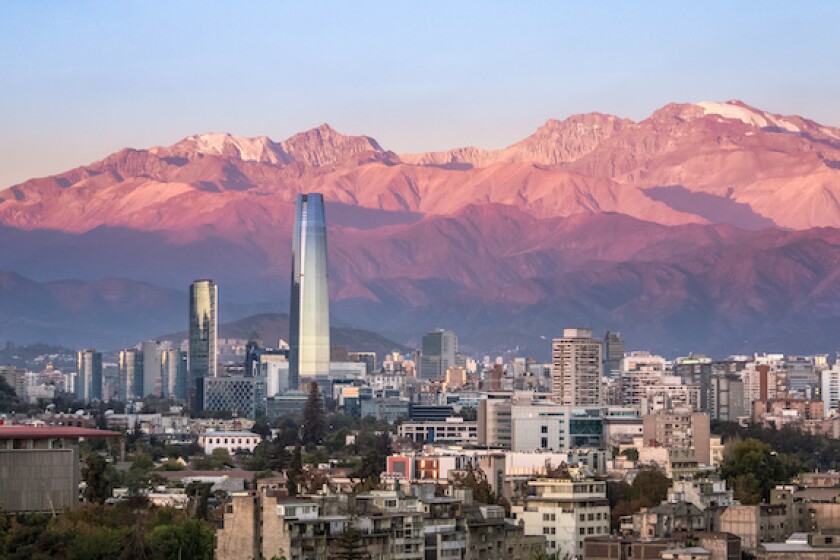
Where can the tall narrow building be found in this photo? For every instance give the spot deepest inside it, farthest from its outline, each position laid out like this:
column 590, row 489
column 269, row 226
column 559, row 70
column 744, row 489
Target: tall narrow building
column 203, row 338
column 309, row 317
column 89, row 379
column 576, row 368
column 130, row 374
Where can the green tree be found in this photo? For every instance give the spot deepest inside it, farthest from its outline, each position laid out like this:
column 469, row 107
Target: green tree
column 314, row 424
column 476, row 481
column 752, row 469
column 650, row 484
column 97, row 543
column 349, row 546
column 189, row 540
column 294, row 472
column 97, row 482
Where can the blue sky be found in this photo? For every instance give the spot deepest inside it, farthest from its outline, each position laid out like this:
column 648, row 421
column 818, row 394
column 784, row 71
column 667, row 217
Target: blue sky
column 79, row 80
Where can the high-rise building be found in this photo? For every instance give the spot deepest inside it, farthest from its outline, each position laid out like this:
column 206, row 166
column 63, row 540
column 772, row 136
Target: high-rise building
column 203, row 338
column 309, row 317
column 439, row 351
column 89, row 380
column 131, row 374
column 152, row 370
column 576, row 368
column 174, row 374
column 613, row 352
column 830, row 390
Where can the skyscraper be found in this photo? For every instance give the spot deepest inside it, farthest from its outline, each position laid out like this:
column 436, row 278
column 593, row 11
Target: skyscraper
column 89, row 380
column 151, row 368
column 438, row 351
column 613, row 353
column 309, row 317
column 174, row 374
column 576, row 368
column 131, row 374
column 202, row 360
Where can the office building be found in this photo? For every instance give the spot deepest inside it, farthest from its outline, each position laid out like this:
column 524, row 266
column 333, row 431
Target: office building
column 203, row 338
column 89, row 380
column 613, row 352
column 576, row 368
column 438, row 352
column 151, row 368
column 174, row 374
column 830, row 390
column 309, row 317
column 130, row 369
column 239, row 395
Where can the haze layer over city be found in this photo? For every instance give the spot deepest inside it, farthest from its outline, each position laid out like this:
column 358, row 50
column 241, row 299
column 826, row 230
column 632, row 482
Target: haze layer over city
column 304, row 281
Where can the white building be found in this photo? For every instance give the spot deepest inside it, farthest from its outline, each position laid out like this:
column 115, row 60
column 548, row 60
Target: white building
column 452, row 430
column 565, row 511
column 229, row 440
column 831, row 389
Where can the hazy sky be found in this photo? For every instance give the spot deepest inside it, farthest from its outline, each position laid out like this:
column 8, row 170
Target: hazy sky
column 79, row 80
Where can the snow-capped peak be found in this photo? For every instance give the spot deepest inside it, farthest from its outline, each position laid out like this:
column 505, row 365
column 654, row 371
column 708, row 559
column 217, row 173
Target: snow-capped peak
column 746, row 114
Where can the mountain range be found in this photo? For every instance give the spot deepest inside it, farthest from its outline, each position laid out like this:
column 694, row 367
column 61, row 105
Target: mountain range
column 707, row 227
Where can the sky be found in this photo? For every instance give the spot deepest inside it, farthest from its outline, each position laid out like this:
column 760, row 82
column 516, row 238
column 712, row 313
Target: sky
column 80, row 80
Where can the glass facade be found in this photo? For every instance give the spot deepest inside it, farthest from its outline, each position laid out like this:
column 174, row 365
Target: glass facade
column 309, row 317
column 174, row 374
column 203, row 338
column 89, row 380
column 131, row 374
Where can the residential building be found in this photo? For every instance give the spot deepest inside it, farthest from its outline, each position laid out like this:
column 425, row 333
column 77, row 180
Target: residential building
column 679, row 429
column 576, row 368
column 565, row 511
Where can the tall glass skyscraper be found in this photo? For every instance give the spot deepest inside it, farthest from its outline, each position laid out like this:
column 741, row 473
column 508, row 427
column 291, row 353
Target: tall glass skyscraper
column 131, row 374
column 309, row 318
column 204, row 327
column 89, row 380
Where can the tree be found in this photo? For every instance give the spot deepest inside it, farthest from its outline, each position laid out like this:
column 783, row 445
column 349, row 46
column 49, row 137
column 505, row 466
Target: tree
column 314, row 424
column 294, row 472
column 752, row 469
column 97, row 481
column 188, row 540
column 476, row 481
column 651, row 485
column 349, row 546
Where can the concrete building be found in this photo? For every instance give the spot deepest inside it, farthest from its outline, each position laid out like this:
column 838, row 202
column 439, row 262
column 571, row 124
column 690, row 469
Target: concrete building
column 679, row 429
column 565, row 512
column 756, row 524
column 726, row 398
column 40, row 467
column 830, row 390
column 576, row 368
column 552, row 427
column 613, row 353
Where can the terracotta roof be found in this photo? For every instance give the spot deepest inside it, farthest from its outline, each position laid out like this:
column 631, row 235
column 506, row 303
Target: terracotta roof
column 52, row 432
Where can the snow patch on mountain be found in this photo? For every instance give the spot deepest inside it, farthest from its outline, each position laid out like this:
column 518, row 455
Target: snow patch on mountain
column 746, row 115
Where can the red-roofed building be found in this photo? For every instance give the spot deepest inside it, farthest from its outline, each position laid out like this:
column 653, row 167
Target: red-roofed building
column 39, row 466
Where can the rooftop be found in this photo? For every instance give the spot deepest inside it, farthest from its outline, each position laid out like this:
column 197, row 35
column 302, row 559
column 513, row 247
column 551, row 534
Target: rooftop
column 53, row 432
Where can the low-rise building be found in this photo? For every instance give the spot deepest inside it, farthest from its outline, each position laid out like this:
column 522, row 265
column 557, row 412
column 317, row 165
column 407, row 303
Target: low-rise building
column 231, row 441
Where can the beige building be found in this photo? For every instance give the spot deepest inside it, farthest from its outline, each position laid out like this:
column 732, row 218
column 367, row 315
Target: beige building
column 565, row 512
column 679, row 429
column 756, row 524
column 576, row 368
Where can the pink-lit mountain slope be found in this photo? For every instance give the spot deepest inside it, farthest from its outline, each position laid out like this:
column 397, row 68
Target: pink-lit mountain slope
column 704, row 224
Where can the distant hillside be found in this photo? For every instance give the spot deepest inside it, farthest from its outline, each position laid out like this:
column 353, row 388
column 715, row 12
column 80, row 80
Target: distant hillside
column 271, row 327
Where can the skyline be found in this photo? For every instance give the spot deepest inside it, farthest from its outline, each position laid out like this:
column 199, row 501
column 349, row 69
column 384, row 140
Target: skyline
column 276, row 70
